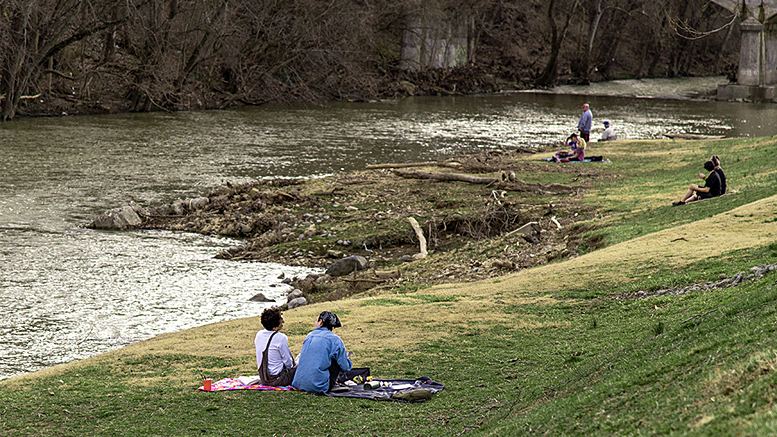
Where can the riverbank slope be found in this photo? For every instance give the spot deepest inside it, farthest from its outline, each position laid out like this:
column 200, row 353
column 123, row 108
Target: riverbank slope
column 610, row 341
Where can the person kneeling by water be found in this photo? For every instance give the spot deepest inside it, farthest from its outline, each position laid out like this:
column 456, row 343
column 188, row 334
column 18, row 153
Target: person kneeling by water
column 322, row 358
column 608, row 134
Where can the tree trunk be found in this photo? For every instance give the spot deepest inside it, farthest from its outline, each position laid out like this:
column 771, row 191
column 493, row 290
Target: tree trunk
column 549, row 74
column 202, row 49
column 10, row 79
column 587, row 56
column 39, row 33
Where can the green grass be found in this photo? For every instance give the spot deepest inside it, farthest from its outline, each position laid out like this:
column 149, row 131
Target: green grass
column 593, row 363
column 606, row 369
column 640, row 202
column 700, row 364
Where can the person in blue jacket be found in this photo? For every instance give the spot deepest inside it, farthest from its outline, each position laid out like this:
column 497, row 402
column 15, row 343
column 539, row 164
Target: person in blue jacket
column 322, row 357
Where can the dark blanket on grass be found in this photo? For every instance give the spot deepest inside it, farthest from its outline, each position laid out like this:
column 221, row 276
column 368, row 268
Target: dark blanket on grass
column 384, row 393
column 587, row 159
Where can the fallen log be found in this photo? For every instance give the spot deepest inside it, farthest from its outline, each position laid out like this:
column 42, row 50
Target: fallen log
column 694, row 137
column 507, row 185
column 446, row 177
column 415, row 164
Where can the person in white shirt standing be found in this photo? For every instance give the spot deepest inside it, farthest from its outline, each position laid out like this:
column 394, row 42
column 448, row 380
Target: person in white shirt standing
column 273, row 356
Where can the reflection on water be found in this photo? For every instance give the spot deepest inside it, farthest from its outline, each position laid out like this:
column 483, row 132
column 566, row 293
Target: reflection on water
column 68, row 293
column 71, row 294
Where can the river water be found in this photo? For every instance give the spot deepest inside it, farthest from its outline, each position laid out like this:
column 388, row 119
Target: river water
column 67, row 293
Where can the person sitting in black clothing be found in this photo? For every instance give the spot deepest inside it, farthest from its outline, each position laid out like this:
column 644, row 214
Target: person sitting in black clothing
column 715, row 160
column 710, row 189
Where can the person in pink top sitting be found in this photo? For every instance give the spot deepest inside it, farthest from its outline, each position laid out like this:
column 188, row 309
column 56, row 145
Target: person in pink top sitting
column 578, row 150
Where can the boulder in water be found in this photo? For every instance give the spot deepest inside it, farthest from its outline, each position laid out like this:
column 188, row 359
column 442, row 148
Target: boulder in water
column 260, row 298
column 119, row 219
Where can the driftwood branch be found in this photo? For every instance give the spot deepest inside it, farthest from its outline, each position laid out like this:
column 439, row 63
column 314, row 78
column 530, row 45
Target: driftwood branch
column 527, row 229
column 415, row 164
column 2, row 97
column 356, row 182
column 420, row 234
column 521, row 186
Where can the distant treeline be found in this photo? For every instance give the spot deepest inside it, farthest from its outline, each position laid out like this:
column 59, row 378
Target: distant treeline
column 101, row 56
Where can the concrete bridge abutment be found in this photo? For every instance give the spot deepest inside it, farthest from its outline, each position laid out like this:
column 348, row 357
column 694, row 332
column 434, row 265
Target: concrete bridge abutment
column 757, row 74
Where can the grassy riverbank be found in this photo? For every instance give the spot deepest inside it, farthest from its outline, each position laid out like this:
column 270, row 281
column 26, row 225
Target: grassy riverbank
column 569, row 347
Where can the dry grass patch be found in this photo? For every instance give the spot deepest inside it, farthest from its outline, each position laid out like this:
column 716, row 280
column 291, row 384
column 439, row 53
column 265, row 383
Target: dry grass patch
column 751, row 225
column 765, row 142
column 651, row 153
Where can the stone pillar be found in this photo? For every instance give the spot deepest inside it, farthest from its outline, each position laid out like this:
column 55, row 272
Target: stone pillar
column 750, row 53
column 757, row 73
column 770, row 54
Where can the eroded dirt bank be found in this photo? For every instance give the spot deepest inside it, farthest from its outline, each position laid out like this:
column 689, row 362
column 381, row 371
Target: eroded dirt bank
column 481, row 216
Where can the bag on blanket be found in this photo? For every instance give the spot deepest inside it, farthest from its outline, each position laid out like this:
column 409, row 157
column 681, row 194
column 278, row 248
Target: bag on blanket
column 364, row 372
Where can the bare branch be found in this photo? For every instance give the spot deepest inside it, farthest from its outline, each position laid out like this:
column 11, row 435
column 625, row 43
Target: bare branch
column 680, row 26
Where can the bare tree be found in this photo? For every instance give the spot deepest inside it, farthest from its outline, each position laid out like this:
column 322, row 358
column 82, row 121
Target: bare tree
column 35, row 31
column 610, row 21
column 143, row 55
column 299, row 50
column 594, row 10
column 549, row 74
